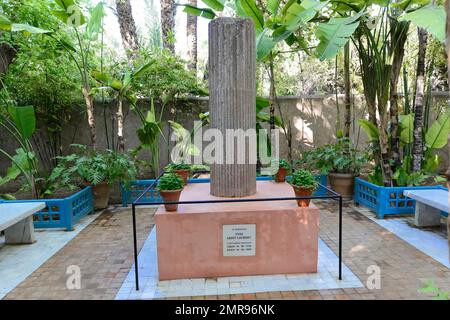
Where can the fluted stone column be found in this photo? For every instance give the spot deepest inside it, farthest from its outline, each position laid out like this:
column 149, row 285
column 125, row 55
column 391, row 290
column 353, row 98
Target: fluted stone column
column 232, row 90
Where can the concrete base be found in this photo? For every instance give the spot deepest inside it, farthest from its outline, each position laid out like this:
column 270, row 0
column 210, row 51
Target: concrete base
column 21, row 233
column 190, row 241
column 426, row 216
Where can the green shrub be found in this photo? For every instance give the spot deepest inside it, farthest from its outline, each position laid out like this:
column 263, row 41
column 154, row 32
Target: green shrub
column 282, row 163
column 340, row 157
column 178, row 166
column 96, row 167
column 170, row 181
column 303, row 178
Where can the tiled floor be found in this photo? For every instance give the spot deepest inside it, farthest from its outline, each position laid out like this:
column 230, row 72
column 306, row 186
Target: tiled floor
column 150, row 287
column 17, row 262
column 103, row 250
column 431, row 241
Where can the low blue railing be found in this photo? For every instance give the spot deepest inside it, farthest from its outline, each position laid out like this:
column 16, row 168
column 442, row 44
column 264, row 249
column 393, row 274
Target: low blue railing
column 385, row 200
column 62, row 213
column 137, row 187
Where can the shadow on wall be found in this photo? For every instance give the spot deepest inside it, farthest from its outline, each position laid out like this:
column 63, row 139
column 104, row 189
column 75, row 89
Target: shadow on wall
column 314, row 121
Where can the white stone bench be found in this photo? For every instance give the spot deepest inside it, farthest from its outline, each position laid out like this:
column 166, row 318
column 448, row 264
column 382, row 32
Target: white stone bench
column 429, row 204
column 16, row 219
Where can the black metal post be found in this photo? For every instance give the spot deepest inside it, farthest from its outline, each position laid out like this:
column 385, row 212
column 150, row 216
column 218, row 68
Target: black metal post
column 136, row 267
column 340, row 237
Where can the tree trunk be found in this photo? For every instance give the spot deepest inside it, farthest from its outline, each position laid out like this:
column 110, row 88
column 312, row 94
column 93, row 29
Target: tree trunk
column 120, row 138
column 168, row 24
column 272, row 93
column 127, row 28
column 417, row 151
column 191, row 33
column 447, row 32
column 90, row 114
column 384, row 150
column 399, row 33
column 347, row 101
column 7, row 55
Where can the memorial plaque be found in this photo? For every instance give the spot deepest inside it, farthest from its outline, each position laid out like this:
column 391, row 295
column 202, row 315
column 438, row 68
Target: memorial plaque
column 239, row 240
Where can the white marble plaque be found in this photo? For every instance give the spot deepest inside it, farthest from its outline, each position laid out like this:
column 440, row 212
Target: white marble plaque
column 239, row 240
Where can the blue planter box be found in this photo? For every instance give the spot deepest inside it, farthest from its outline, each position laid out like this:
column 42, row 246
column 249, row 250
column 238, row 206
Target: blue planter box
column 62, row 213
column 137, row 187
column 385, row 200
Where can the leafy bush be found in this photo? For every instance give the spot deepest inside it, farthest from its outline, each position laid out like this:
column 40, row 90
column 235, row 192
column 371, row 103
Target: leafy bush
column 96, row 167
column 439, row 294
column 170, row 181
column 167, row 78
column 303, row 178
column 341, row 157
column 178, row 166
column 282, row 163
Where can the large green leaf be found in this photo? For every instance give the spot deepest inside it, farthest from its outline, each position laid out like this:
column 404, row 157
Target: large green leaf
column 142, row 70
column 214, row 4
column 261, row 103
column 148, row 134
column 264, row 44
column 298, row 14
column 436, row 136
column 251, row 10
column 370, row 129
column 273, row 5
column 94, row 25
column 65, row 4
column 200, row 12
column 5, row 23
column 24, row 119
column 20, row 164
column 101, row 77
column 430, row 18
column 407, row 128
column 334, row 34
column 16, row 27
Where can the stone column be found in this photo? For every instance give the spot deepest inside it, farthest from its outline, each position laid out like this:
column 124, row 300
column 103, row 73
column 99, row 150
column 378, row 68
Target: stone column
column 232, row 94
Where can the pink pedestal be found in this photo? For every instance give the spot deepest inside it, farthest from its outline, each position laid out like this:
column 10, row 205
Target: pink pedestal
column 190, row 241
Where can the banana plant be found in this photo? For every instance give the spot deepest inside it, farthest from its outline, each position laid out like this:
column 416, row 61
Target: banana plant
column 122, row 89
column 7, row 25
column 151, row 131
column 435, row 138
column 86, row 31
column 20, row 124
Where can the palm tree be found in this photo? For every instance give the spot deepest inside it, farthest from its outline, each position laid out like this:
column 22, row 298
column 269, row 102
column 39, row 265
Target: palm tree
column 447, row 33
column 417, row 151
column 191, row 33
column 168, row 8
column 347, row 85
column 127, row 28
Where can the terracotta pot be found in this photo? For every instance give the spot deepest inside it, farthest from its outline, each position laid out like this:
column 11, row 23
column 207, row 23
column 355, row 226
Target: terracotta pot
column 101, row 194
column 184, row 174
column 303, row 192
column 281, row 175
column 343, row 183
column 170, row 195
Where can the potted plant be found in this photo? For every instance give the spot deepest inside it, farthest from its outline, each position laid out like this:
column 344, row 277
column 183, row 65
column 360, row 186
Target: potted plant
column 182, row 169
column 99, row 170
column 304, row 184
column 283, row 168
column 341, row 161
column 170, row 186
